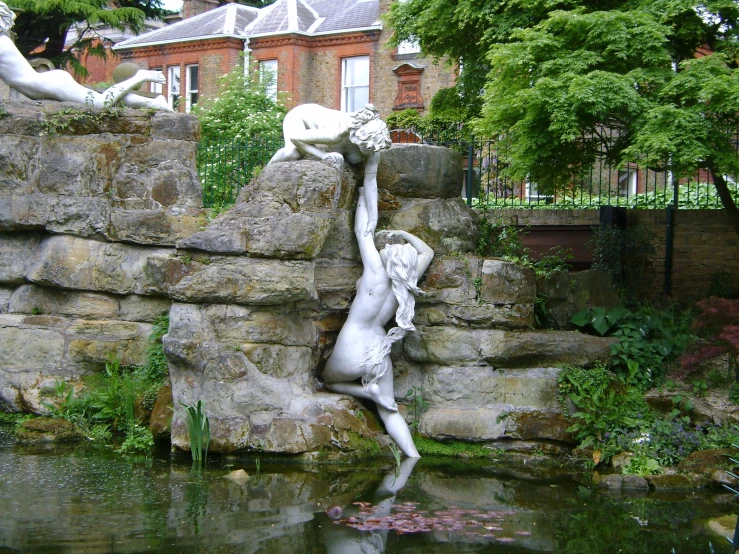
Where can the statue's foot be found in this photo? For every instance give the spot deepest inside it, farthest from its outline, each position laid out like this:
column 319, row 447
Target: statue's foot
column 149, row 75
column 334, row 160
column 380, row 399
column 160, row 103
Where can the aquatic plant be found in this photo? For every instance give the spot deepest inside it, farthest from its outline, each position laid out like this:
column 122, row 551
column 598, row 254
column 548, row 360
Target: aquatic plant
column 198, row 427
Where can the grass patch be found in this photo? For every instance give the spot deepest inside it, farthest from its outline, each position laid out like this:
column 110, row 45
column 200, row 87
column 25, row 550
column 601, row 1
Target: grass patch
column 364, row 446
column 431, row 447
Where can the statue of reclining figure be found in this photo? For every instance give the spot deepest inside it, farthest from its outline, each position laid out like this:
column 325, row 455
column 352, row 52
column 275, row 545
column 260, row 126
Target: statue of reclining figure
column 60, row 85
column 332, row 136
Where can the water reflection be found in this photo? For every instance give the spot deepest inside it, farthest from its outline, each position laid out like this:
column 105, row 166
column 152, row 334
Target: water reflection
column 353, row 529
column 84, row 500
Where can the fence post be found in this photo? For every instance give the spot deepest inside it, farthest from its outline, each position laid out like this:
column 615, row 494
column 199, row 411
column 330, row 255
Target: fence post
column 669, row 242
column 470, row 162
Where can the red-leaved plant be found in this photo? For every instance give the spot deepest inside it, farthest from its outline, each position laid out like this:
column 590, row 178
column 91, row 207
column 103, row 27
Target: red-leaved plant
column 718, row 325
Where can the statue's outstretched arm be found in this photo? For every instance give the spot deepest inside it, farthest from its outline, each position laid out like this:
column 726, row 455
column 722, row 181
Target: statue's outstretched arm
column 370, row 256
column 370, row 191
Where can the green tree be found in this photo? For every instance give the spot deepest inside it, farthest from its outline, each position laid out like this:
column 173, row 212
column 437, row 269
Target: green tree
column 44, row 24
column 241, row 129
column 242, row 109
column 565, row 82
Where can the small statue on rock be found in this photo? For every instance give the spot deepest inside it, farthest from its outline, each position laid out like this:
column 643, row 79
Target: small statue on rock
column 333, row 136
column 60, row 85
column 360, row 363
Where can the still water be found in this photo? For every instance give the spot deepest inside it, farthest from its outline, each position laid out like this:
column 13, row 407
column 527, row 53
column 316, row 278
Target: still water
column 86, row 500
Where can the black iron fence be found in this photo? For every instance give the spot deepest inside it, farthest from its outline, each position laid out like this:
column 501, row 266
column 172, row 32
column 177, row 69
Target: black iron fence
column 224, row 167
column 487, row 183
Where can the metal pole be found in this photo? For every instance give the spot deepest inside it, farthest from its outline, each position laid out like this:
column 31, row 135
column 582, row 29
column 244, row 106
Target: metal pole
column 670, row 239
column 470, row 161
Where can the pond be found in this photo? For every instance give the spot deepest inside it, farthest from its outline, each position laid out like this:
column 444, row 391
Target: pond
column 82, row 499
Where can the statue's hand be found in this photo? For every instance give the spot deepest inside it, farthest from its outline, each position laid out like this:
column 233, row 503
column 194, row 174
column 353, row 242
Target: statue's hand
column 334, row 160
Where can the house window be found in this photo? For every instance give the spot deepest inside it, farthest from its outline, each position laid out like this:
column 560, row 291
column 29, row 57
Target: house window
column 173, row 86
column 354, row 83
column 156, row 88
column 627, row 182
column 533, row 194
column 408, row 46
column 268, row 77
column 192, row 86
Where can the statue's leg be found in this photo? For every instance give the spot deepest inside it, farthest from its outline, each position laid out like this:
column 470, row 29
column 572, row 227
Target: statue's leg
column 307, row 149
column 116, row 92
column 370, row 392
column 287, row 154
column 395, row 424
column 132, row 100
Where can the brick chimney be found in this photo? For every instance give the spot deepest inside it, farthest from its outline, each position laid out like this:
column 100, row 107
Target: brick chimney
column 191, row 8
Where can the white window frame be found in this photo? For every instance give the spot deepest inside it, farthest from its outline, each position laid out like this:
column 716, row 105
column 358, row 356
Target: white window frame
column 174, row 86
column 271, row 66
column 348, row 88
column 628, row 181
column 409, row 47
column 532, row 194
column 190, row 91
column 156, row 88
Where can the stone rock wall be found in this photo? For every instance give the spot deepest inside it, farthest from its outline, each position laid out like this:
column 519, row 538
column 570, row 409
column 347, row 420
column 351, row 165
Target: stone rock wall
column 101, row 232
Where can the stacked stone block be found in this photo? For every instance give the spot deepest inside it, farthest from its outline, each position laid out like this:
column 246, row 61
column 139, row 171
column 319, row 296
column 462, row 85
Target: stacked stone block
column 257, row 296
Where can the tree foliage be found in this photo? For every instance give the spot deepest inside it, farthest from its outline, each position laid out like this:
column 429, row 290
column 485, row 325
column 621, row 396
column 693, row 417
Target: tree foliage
column 44, row 24
column 648, row 81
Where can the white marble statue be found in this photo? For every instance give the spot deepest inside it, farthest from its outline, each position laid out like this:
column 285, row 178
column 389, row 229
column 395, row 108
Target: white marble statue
column 360, row 363
column 333, row 136
column 59, row 85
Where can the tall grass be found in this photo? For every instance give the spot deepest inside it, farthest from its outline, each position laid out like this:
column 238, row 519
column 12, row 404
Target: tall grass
column 198, row 427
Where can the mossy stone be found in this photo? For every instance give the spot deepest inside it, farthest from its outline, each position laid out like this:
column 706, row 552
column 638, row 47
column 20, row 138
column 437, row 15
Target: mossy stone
column 46, row 429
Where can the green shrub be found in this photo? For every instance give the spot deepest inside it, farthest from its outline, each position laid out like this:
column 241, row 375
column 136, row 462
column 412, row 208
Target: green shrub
column 648, row 339
column 602, row 404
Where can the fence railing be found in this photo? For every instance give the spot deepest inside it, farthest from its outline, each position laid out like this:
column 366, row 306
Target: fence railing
column 224, row 167
column 487, row 183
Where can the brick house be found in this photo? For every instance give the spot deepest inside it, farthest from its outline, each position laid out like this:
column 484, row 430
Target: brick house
column 330, row 52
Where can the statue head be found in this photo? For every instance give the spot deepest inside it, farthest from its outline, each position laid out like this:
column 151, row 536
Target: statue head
column 368, row 131
column 401, row 265
column 7, row 17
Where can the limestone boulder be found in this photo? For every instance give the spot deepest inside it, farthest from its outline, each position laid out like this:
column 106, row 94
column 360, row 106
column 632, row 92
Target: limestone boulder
column 509, row 349
column 5, row 294
column 16, row 153
column 32, row 299
column 447, row 225
column 155, row 227
column 567, row 293
column 75, row 263
column 85, row 216
column 38, row 350
column 157, row 174
column 17, row 251
column 145, row 309
column 471, row 291
column 421, row 171
column 286, row 212
column 237, row 280
column 90, row 343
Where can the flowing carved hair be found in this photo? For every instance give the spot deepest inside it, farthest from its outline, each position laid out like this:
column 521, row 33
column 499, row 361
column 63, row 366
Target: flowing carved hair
column 7, row 17
column 368, row 130
column 402, row 268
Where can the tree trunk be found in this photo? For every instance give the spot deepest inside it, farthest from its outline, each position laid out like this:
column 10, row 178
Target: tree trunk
column 722, row 189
